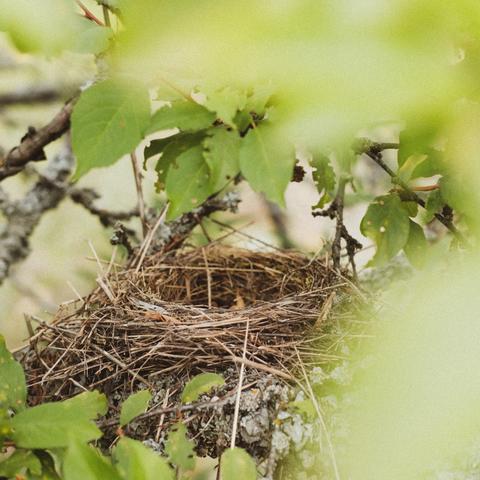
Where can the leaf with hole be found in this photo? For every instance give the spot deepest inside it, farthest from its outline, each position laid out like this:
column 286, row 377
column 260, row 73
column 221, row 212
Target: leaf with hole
column 187, row 182
column 388, row 224
column 108, row 121
column 200, row 384
column 134, row 405
column 267, row 161
column 237, row 464
column 179, row 448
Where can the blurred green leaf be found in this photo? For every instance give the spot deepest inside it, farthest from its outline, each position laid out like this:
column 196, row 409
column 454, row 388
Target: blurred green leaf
column 83, row 462
column 184, row 115
column 108, row 122
column 135, row 461
column 387, row 223
column 416, row 246
column 19, row 463
column 201, row 384
column 237, row 464
column 225, row 102
column 222, row 150
column 13, row 388
column 266, row 161
column 92, row 38
column 179, row 448
column 53, row 425
column 409, row 166
column 434, row 204
column 134, row 405
column 187, row 182
column 323, row 177
column 304, row 407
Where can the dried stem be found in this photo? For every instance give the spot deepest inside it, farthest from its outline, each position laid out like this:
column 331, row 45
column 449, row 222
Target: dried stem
column 139, row 188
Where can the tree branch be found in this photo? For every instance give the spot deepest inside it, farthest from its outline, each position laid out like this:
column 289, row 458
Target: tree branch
column 374, row 151
column 32, row 144
column 29, row 96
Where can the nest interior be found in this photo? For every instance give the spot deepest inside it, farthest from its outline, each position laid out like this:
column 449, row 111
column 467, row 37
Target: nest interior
column 181, row 313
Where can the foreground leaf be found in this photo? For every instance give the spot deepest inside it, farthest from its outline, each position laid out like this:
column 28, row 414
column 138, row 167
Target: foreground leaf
column 267, row 162
column 188, row 182
column 19, row 463
column 54, row 425
column 179, row 448
column 201, row 384
column 135, row 461
column 134, row 405
column 416, row 246
column 225, row 102
column 184, row 115
column 83, row 462
column 237, row 464
column 323, row 177
column 108, row 122
column 222, row 150
column 13, row 388
column 387, row 223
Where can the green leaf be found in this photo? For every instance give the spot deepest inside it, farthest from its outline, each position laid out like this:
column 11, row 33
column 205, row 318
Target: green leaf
column 135, row 461
column 179, row 448
column 83, row 462
column 54, row 425
column 222, row 150
column 405, row 172
column 184, row 115
column 171, row 150
column 226, row 102
column 258, row 99
column 108, row 121
column 89, row 404
column 304, row 407
column 416, row 246
column 267, row 162
column 201, row 384
column 92, row 38
column 187, row 182
column 237, row 464
column 13, row 388
column 19, row 463
column 134, row 405
column 417, row 140
column 387, row 223
column 323, row 177
column 434, row 204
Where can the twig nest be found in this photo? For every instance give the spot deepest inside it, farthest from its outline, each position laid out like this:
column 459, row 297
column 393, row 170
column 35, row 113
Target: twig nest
column 181, row 313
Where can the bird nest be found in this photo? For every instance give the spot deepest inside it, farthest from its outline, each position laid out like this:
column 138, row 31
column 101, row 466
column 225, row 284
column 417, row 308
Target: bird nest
column 181, row 313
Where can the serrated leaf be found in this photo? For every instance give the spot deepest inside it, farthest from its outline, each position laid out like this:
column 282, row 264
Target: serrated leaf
column 258, row 99
column 222, row 151
column 267, row 162
column 135, row 461
column 388, row 224
column 179, row 448
column 134, row 405
column 83, row 462
column 201, row 384
column 184, row 115
column 225, row 102
column 323, row 177
column 13, row 388
column 19, row 463
column 416, row 247
column 187, row 182
column 108, row 121
column 433, row 205
column 54, row 425
column 237, row 464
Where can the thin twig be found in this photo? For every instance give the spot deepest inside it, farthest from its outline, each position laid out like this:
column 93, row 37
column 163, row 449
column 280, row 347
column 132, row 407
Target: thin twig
column 139, row 188
column 239, row 389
